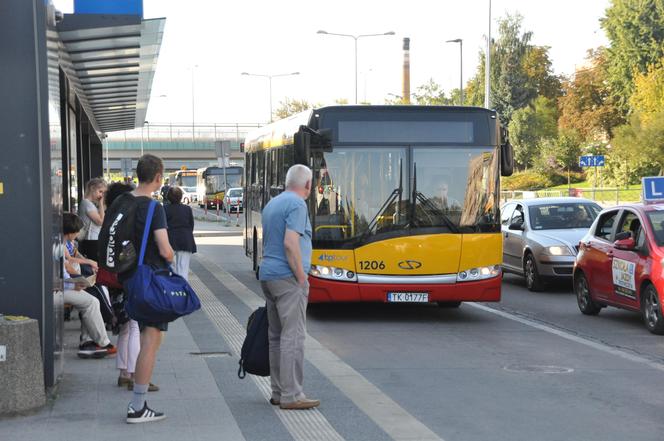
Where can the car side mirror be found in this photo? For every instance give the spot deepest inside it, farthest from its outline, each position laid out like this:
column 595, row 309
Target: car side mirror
column 516, row 226
column 628, row 244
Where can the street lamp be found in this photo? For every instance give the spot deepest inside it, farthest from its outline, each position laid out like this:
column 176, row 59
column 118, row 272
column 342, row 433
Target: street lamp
column 460, row 41
column 269, row 77
column 144, row 123
column 355, row 37
column 487, row 66
column 193, row 107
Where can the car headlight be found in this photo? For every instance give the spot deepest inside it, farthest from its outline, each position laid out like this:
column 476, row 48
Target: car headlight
column 559, row 251
column 333, row 273
column 480, row 273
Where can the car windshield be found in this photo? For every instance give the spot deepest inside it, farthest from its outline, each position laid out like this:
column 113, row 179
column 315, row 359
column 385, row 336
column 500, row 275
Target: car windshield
column 235, row 193
column 563, row 215
column 657, row 223
column 362, row 193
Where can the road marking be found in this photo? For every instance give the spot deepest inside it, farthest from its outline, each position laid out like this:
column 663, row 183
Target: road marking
column 307, row 425
column 385, row 412
column 569, row 336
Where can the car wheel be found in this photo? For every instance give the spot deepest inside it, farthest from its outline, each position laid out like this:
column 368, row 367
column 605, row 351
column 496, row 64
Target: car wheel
column 583, row 297
column 533, row 279
column 652, row 310
column 449, row 304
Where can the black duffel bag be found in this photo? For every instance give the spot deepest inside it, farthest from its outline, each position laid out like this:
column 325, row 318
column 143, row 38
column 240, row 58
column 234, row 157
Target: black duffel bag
column 255, row 355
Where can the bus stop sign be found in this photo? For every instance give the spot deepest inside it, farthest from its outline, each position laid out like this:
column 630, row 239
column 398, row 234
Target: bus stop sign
column 653, row 188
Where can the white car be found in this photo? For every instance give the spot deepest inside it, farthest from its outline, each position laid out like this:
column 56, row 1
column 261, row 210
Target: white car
column 233, row 201
column 189, row 195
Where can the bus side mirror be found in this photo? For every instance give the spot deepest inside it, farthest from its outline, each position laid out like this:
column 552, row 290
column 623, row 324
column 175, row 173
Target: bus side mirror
column 302, row 141
column 506, row 154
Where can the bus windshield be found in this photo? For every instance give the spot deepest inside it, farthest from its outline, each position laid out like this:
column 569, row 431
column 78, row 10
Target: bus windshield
column 369, row 193
column 187, row 181
column 215, row 183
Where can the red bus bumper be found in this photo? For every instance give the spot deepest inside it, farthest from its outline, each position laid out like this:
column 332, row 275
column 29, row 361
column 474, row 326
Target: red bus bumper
column 323, row 290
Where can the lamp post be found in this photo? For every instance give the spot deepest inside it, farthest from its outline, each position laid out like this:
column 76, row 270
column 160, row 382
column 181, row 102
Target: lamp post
column 269, row 77
column 487, row 67
column 193, row 107
column 144, row 123
column 104, row 140
column 355, row 37
column 460, row 41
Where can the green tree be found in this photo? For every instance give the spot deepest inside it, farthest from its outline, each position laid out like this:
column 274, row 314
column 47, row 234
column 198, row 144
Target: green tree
column 648, row 96
column 430, row 94
column 635, row 29
column 587, row 105
column 539, row 69
column 290, row 107
column 637, row 149
column 520, row 71
column 530, row 126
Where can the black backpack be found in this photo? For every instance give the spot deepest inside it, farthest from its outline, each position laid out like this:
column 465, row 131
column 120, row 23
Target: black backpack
column 116, row 249
column 255, row 355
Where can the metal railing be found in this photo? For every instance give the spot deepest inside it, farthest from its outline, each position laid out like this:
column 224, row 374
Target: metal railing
column 603, row 196
column 176, row 136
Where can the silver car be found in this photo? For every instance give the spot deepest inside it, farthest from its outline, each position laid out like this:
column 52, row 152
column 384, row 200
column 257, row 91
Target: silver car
column 541, row 236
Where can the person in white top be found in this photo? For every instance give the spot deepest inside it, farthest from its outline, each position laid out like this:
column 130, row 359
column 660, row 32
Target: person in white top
column 91, row 211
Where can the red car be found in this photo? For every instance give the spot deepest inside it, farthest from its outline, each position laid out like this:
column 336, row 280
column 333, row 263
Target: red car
column 621, row 263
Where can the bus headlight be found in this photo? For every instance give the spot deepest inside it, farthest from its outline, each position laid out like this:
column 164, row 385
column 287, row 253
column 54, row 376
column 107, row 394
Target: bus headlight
column 479, row 273
column 333, row 273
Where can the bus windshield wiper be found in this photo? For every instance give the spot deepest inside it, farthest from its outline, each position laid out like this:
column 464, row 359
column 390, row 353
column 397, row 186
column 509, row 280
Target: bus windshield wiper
column 395, row 195
column 426, row 203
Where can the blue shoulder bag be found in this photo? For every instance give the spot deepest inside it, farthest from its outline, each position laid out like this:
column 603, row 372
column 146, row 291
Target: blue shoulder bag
column 157, row 295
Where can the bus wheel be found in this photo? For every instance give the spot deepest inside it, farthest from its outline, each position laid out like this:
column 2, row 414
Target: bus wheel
column 449, row 304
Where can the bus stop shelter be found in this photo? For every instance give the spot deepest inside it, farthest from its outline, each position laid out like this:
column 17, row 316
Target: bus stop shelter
column 66, row 81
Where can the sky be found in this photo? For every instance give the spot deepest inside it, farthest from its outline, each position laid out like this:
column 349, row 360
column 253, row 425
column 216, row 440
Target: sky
column 218, row 40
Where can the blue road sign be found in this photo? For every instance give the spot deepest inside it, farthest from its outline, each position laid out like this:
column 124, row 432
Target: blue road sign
column 591, row 161
column 653, row 188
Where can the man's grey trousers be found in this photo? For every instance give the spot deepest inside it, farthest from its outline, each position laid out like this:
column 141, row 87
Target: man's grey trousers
column 286, row 311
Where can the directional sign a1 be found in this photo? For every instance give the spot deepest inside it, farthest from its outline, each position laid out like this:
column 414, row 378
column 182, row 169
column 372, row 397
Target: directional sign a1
column 653, row 188
column 591, row 161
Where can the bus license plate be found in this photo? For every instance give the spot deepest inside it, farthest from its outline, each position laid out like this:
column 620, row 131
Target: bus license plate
column 408, row 297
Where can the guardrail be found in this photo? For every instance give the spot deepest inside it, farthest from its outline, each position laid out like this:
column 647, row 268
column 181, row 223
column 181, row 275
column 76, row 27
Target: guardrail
column 604, row 196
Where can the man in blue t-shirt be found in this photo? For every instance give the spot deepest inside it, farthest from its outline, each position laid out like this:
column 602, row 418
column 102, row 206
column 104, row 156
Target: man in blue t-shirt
column 283, row 275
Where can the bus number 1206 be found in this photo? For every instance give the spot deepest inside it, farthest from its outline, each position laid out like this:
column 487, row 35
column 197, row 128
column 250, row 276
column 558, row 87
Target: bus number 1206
column 372, row 265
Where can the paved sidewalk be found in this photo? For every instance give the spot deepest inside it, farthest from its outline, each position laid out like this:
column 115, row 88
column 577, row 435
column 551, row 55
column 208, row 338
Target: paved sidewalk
column 88, row 404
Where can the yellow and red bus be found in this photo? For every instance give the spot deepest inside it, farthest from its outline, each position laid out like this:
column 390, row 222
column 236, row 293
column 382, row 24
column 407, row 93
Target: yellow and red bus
column 405, row 200
column 213, row 181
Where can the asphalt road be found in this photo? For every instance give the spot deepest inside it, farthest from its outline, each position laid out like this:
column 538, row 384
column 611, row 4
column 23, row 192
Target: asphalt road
column 531, row 367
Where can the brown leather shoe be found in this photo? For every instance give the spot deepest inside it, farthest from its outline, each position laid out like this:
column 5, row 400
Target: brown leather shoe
column 124, row 381
column 304, row 403
column 151, row 387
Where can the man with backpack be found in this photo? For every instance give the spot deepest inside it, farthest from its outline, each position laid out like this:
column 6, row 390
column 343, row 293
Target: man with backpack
column 122, row 237
column 283, row 275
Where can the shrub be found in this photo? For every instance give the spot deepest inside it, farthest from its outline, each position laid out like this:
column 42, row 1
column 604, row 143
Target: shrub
column 532, row 180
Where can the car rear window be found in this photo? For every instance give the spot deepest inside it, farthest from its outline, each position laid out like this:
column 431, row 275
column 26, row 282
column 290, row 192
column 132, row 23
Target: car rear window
column 565, row 215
